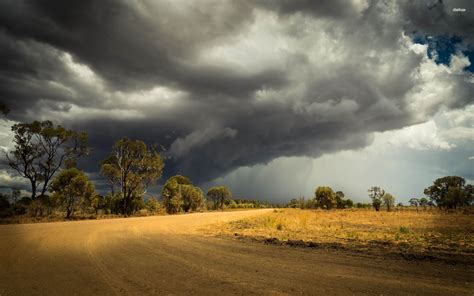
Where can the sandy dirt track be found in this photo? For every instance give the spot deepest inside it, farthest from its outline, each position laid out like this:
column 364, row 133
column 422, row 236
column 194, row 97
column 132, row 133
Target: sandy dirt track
column 168, row 255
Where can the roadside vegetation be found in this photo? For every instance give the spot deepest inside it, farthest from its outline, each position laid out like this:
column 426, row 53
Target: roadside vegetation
column 401, row 230
column 440, row 225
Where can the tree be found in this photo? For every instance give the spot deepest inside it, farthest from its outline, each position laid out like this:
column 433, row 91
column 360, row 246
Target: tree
column 171, row 193
column 450, row 192
column 423, row 202
column 293, row 203
column 72, row 187
column 340, row 201
column 349, row 203
column 179, row 194
column 132, row 167
column 376, row 193
column 41, row 148
column 414, row 202
column 325, row 197
column 388, row 201
column 193, row 197
column 218, row 195
column 152, row 205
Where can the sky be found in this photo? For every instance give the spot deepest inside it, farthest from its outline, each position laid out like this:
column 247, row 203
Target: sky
column 271, row 98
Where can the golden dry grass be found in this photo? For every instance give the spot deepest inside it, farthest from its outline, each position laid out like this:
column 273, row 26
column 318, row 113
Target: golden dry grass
column 419, row 231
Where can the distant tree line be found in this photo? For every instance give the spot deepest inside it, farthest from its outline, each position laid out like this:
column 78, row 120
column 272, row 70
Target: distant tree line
column 446, row 193
column 324, row 198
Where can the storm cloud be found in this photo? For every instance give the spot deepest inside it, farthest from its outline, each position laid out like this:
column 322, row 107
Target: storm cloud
column 229, row 84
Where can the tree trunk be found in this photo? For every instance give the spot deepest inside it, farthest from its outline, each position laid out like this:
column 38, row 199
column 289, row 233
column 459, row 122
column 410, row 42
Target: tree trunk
column 33, row 189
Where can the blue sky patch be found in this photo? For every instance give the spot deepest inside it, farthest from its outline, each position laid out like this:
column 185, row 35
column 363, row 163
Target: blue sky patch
column 440, row 49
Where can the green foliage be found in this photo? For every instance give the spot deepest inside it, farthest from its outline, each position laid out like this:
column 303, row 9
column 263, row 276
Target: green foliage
column 340, row 202
column 297, row 203
column 243, row 203
column 179, row 194
column 41, row 148
column 21, row 206
column 404, row 230
column 377, row 203
column 424, row 202
column 388, row 201
column 5, row 210
column 193, row 197
column 152, row 205
column 218, row 195
column 325, row 197
column 171, row 193
column 349, row 203
column 41, row 206
column 450, row 192
column 414, row 202
column 132, row 167
column 113, row 203
column 72, row 187
column 376, row 194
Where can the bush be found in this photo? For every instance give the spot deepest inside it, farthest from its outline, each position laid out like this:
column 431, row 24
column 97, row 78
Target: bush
column 152, row 205
column 5, row 210
column 404, row 230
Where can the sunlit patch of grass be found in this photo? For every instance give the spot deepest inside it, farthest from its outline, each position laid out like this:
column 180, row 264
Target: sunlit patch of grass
column 420, row 230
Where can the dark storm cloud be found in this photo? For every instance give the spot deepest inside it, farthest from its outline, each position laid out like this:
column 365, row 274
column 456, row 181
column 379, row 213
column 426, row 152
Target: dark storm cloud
column 321, row 8
column 220, row 84
column 137, row 46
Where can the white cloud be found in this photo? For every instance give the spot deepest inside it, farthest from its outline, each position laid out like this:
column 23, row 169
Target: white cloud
column 424, row 136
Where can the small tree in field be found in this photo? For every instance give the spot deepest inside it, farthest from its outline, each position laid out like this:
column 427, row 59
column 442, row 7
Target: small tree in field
column 340, row 201
column 424, row 202
column 72, row 187
column 376, row 193
column 218, row 195
column 388, row 201
column 414, row 202
column 325, row 197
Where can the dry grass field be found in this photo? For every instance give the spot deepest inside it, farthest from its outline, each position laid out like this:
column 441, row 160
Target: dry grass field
column 408, row 231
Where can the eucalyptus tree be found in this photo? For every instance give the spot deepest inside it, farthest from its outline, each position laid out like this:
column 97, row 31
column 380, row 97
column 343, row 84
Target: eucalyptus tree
column 376, row 194
column 450, row 192
column 132, row 167
column 388, row 201
column 41, row 149
column 180, row 195
column 218, row 195
column 325, row 197
column 72, row 187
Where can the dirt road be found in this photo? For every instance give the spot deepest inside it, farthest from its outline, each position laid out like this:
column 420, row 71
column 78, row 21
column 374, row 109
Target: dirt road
column 168, row 255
